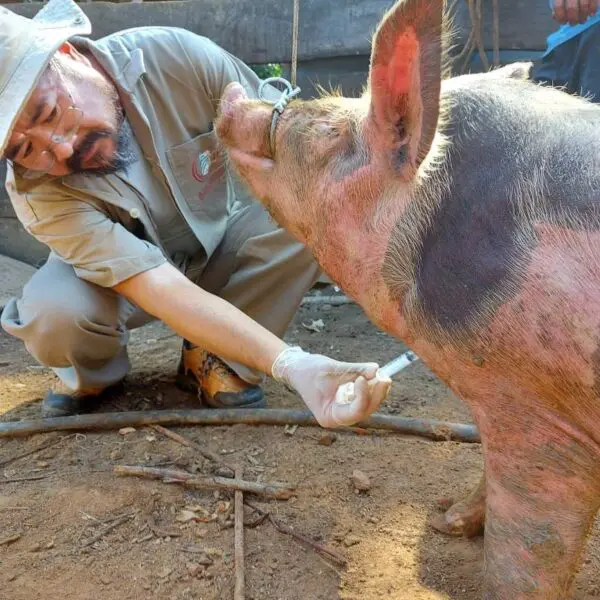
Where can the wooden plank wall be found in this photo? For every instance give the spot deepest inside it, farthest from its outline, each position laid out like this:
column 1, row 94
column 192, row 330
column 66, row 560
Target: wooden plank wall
column 334, row 46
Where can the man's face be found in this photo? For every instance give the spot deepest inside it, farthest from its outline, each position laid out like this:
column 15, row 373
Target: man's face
column 72, row 123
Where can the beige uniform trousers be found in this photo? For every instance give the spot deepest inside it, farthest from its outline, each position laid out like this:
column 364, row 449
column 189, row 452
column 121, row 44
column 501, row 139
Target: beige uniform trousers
column 81, row 330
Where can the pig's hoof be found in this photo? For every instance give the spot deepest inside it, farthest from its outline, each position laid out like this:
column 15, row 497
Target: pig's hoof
column 461, row 520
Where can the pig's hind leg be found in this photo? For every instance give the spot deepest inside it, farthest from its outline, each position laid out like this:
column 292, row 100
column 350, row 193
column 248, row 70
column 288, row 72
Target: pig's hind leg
column 543, row 491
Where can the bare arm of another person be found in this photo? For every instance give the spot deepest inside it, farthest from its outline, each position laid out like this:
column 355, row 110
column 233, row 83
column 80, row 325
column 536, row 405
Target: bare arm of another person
column 574, row 11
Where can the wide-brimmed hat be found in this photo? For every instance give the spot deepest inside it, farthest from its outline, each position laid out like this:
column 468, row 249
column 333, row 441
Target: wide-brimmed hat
column 26, row 47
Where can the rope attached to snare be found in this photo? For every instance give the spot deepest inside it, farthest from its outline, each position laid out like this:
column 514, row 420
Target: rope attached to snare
column 295, row 27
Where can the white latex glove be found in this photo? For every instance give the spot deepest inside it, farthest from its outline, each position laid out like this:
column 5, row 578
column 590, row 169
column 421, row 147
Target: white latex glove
column 317, row 379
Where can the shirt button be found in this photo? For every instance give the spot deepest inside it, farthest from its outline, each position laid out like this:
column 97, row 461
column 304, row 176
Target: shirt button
column 134, row 213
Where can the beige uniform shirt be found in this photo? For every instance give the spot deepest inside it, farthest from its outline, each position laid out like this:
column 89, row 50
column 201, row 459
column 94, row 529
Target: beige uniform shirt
column 112, row 227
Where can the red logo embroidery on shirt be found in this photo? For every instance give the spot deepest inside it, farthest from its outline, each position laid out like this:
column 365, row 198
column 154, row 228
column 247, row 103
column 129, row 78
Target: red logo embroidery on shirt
column 214, row 176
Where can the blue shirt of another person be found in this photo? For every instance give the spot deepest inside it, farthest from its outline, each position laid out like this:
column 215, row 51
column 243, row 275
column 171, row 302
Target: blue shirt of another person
column 567, row 32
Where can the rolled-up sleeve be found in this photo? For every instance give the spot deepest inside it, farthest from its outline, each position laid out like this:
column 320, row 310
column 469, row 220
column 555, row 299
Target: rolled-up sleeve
column 100, row 250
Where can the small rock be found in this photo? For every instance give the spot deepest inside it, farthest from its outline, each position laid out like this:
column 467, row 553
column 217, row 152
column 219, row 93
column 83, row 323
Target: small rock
column 351, row 540
column 222, row 472
column 185, row 516
column 11, row 577
column 327, row 438
column 316, row 326
column 50, row 545
column 361, row 481
column 105, row 579
column 42, row 464
column 165, row 572
column 290, row 429
column 194, row 569
column 117, row 454
column 48, row 455
column 35, row 548
column 444, row 504
column 373, row 520
column 150, row 438
column 126, row 430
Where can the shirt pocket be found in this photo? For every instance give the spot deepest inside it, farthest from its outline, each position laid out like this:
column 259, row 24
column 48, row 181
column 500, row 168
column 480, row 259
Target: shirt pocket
column 198, row 166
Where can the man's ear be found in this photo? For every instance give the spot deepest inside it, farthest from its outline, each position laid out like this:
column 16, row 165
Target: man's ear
column 405, row 80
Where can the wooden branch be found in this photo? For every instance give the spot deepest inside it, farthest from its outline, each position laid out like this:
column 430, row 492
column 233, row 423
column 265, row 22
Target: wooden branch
column 45, row 446
column 283, row 528
column 277, row 491
column 239, row 540
column 28, row 478
column 107, row 529
column 193, row 445
column 10, row 539
column 435, row 430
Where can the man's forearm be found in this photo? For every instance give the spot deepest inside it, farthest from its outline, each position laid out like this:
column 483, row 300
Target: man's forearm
column 202, row 318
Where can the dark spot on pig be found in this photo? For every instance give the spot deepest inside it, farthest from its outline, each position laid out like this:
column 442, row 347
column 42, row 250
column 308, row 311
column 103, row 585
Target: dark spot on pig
column 507, row 170
column 545, row 543
column 468, row 255
column 400, row 157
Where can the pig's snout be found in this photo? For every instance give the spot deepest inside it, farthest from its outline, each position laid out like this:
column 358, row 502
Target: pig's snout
column 234, row 92
column 243, row 127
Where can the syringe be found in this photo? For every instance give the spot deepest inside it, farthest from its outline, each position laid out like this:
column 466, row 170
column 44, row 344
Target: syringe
column 345, row 393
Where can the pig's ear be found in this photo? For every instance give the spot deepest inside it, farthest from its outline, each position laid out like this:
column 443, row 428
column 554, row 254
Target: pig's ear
column 405, row 80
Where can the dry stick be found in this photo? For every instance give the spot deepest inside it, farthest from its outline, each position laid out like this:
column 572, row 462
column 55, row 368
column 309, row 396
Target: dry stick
column 239, row 540
column 279, row 492
column 7, row 461
column 469, row 57
column 107, row 529
column 496, row 33
column 435, row 430
column 283, row 528
column 28, row 478
column 193, row 445
column 475, row 14
column 479, row 35
column 10, row 539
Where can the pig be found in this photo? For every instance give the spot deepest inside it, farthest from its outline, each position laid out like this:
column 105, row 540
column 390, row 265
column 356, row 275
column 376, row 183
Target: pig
column 463, row 215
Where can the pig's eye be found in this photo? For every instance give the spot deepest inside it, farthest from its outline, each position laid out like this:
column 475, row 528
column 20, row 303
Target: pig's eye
column 324, row 129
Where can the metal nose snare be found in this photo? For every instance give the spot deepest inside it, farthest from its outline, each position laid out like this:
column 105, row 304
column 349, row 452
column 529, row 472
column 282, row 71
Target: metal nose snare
column 278, row 105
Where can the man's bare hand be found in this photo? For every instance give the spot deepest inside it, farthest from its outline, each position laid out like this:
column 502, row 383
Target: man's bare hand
column 574, row 11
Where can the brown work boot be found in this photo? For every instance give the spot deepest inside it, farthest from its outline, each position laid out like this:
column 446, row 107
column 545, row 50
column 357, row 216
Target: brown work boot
column 214, row 382
column 60, row 401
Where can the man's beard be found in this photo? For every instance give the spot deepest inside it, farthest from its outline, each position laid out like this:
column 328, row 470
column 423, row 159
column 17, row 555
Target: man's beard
column 121, row 158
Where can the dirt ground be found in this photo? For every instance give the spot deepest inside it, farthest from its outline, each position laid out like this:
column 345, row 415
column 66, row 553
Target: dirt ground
column 86, row 533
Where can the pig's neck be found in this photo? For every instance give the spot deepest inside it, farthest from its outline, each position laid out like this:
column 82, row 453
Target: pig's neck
column 370, row 245
column 351, row 244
